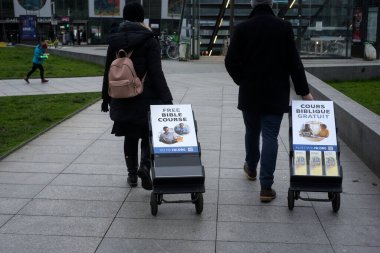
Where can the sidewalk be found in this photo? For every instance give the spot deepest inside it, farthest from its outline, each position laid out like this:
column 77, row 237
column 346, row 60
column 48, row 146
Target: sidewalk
column 66, row 190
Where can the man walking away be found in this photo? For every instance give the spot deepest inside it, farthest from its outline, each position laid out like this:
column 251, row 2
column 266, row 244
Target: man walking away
column 261, row 57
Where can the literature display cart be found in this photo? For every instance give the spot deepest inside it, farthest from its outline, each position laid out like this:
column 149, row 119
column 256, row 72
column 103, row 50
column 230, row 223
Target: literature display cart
column 314, row 156
column 176, row 156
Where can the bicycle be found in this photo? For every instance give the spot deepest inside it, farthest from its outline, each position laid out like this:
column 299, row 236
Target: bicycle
column 55, row 43
column 169, row 46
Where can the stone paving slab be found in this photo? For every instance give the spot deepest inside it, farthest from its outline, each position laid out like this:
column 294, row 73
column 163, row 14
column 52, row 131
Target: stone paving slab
column 71, row 208
column 196, row 230
column 115, row 245
column 12, row 243
column 246, row 247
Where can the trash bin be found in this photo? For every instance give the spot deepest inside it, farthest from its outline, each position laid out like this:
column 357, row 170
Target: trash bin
column 183, row 51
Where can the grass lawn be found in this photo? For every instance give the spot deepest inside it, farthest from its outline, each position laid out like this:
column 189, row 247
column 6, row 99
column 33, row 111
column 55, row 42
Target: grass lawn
column 365, row 92
column 23, row 117
column 16, row 62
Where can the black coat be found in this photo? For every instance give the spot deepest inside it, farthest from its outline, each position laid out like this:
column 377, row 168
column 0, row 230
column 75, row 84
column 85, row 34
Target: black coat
column 146, row 58
column 261, row 57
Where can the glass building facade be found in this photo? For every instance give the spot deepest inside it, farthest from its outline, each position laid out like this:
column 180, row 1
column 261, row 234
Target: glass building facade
column 323, row 28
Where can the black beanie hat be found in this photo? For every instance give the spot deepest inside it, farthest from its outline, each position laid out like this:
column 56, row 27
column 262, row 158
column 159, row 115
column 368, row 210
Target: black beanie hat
column 133, row 12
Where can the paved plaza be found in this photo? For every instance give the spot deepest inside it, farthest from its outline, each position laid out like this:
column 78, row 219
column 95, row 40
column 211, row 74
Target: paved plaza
column 66, row 190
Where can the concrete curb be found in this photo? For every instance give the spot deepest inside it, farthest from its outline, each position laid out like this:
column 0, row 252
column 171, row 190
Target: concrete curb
column 357, row 126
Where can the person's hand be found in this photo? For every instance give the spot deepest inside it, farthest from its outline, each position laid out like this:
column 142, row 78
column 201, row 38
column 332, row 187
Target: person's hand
column 308, row 97
column 104, row 106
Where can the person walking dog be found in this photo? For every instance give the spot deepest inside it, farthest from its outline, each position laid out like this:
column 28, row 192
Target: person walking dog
column 38, row 59
column 260, row 59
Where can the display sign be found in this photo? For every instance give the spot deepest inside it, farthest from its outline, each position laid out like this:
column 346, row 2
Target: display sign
column 314, row 138
column 313, row 125
column 171, row 9
column 40, row 8
column 173, row 129
column 28, row 24
column 357, row 25
column 106, row 8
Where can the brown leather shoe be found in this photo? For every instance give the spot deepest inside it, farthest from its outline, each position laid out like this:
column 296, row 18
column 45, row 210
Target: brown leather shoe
column 267, row 195
column 251, row 175
column 44, row 81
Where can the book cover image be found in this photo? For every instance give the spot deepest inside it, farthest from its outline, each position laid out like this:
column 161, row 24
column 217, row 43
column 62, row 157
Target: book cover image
column 300, row 165
column 316, row 163
column 173, row 129
column 331, row 163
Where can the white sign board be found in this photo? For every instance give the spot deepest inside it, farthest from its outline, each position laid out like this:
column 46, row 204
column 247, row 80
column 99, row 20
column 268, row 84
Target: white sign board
column 318, row 26
column 313, row 125
column 40, row 8
column 173, row 129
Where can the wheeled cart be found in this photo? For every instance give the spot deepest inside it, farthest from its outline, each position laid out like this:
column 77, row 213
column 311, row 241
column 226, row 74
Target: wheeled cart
column 314, row 157
column 176, row 156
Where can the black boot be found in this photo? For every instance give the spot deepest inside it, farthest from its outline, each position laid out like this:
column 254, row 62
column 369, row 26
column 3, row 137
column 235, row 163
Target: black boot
column 132, row 171
column 146, row 181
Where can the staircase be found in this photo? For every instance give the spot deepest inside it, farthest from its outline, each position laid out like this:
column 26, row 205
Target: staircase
column 216, row 16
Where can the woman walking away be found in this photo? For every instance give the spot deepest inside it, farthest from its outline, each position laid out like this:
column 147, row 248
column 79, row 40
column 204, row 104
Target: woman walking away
column 130, row 115
column 39, row 57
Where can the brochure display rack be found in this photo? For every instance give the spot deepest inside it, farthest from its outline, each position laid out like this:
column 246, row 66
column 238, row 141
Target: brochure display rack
column 176, row 156
column 314, row 156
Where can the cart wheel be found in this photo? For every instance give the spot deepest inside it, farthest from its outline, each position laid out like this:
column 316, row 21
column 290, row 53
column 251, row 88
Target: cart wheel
column 290, row 199
column 198, row 197
column 153, row 204
column 330, row 195
column 336, row 202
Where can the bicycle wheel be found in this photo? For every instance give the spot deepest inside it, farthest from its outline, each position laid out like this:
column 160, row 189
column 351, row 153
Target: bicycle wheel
column 172, row 51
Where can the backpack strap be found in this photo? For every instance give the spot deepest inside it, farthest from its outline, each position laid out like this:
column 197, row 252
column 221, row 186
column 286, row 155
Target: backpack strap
column 129, row 56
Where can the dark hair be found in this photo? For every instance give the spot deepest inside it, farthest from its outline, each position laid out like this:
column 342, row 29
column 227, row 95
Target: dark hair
column 133, row 12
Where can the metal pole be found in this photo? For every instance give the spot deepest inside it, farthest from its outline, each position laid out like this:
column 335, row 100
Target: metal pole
column 193, row 29
column 232, row 16
column 181, row 20
column 3, row 35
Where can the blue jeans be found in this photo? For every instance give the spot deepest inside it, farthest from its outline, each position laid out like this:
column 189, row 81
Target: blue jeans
column 269, row 126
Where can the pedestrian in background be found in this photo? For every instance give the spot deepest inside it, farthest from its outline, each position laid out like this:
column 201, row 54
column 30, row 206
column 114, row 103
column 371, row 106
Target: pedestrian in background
column 130, row 115
column 38, row 59
column 260, row 59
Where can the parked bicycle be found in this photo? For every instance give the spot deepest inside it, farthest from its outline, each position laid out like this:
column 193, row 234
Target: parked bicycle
column 169, row 46
column 54, row 43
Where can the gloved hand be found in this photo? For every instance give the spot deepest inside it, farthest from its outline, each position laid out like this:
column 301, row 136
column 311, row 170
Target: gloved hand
column 104, row 106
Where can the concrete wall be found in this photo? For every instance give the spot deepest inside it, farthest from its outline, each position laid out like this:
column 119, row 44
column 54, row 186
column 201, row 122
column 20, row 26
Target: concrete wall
column 358, row 127
column 345, row 73
column 98, row 59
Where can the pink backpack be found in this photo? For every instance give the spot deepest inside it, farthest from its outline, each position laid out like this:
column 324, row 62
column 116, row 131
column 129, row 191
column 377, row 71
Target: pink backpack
column 123, row 81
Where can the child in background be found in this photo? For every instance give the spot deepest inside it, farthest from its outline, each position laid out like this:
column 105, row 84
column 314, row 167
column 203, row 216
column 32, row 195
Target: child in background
column 38, row 59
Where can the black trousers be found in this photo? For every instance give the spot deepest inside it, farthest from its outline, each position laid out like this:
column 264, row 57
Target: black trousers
column 34, row 68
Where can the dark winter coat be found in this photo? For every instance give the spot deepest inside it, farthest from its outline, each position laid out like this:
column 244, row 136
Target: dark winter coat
column 261, row 57
column 146, row 58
